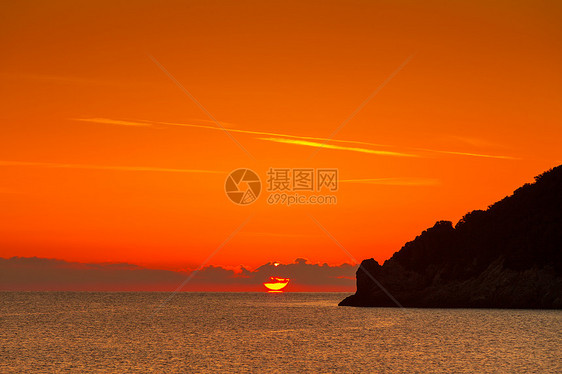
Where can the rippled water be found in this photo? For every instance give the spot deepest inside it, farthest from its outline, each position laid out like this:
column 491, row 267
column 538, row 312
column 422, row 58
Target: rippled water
column 238, row 332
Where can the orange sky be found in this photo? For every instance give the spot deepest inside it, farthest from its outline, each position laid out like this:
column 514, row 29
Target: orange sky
column 89, row 172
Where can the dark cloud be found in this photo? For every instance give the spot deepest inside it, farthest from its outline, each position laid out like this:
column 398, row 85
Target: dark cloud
column 32, row 273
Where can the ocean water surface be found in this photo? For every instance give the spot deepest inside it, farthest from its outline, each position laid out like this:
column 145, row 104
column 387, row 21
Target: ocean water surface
column 261, row 332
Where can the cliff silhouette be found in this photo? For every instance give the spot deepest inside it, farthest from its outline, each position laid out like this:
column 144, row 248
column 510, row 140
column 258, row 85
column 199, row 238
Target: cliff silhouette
column 508, row 256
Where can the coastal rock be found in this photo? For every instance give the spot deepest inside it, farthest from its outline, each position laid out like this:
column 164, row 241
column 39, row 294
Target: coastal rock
column 509, row 256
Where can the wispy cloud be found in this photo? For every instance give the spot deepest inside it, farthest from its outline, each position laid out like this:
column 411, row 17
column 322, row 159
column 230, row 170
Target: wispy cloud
column 467, row 154
column 338, row 147
column 157, row 124
column 405, row 181
column 107, row 121
column 476, row 142
column 278, row 235
column 106, row 167
column 57, row 79
column 308, row 141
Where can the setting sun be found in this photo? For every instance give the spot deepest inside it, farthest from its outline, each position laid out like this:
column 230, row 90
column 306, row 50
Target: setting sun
column 276, row 284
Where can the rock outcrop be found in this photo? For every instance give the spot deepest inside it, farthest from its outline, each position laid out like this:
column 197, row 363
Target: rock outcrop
column 509, row 256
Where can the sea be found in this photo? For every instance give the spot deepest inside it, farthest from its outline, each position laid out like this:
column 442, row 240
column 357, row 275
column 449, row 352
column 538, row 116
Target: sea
column 188, row 332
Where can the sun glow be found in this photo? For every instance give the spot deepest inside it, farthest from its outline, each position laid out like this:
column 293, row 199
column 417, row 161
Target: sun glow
column 276, row 284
